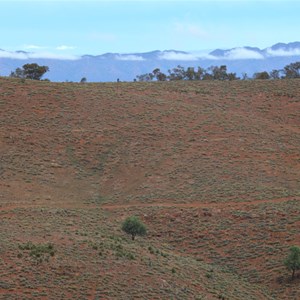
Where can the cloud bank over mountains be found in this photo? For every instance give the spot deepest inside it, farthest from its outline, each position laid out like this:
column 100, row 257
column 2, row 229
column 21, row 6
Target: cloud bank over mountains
column 177, row 55
column 238, row 53
column 283, row 52
column 22, row 55
column 126, row 66
column 242, row 53
column 130, row 57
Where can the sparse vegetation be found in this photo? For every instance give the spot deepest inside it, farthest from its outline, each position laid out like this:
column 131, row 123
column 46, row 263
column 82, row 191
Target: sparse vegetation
column 39, row 252
column 211, row 167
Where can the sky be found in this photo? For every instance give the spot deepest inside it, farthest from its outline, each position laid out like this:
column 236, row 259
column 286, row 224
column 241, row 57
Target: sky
column 70, row 28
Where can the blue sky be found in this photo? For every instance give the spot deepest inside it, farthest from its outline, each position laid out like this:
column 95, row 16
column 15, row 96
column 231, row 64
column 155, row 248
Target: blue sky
column 95, row 27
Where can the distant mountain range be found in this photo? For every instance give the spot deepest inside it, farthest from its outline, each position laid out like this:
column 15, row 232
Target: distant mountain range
column 125, row 67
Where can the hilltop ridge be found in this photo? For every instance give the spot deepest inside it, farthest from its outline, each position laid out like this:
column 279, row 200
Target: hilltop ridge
column 126, row 66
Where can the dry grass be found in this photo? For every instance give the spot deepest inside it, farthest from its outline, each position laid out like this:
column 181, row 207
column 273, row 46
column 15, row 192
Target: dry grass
column 212, row 168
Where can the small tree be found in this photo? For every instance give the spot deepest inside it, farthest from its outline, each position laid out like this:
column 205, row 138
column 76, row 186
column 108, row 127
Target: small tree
column 34, row 71
column 199, row 73
column 18, row 73
column 261, row 75
column 145, row 77
column 292, row 262
column 232, row 76
column 275, row 74
column 245, row 76
column 133, row 226
column 30, row 71
column 292, row 70
column 159, row 75
column 190, row 73
column 219, row 73
column 177, row 73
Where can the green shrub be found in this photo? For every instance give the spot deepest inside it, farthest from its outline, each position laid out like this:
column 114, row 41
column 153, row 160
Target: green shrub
column 38, row 251
column 133, row 226
column 292, row 262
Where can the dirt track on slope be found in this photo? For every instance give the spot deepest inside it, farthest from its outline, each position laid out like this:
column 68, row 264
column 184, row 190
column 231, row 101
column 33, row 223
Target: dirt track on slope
column 215, row 205
column 202, row 205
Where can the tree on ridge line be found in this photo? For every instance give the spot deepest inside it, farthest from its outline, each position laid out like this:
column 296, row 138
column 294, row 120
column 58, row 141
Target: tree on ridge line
column 30, row 71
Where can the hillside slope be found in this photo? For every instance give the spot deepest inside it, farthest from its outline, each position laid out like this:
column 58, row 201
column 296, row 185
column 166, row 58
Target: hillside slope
column 151, row 142
column 212, row 168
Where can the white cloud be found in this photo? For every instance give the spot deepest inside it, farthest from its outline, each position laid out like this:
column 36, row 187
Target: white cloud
column 13, row 55
column 33, row 47
column 41, row 55
column 129, row 57
column 208, row 56
column 172, row 55
column 242, row 53
column 234, row 54
column 50, row 55
column 283, row 52
column 64, row 47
